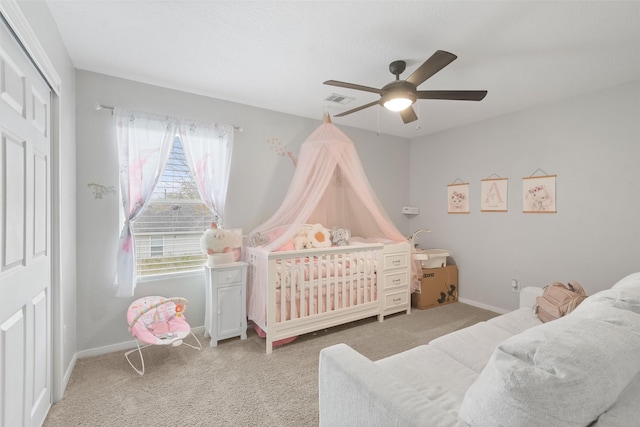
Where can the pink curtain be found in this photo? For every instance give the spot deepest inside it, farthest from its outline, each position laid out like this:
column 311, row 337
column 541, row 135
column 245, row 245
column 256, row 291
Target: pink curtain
column 208, row 148
column 144, row 145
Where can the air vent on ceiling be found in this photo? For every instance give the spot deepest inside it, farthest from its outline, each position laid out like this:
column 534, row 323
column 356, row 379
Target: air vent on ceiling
column 339, row 99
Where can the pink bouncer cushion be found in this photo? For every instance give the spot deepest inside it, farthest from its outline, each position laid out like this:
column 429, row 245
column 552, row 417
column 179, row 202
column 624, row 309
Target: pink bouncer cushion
column 158, row 320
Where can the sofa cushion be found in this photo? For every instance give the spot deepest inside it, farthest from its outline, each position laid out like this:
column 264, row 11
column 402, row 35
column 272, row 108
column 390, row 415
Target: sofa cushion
column 533, row 378
column 433, row 374
column 516, row 321
column 354, row 391
column 472, row 346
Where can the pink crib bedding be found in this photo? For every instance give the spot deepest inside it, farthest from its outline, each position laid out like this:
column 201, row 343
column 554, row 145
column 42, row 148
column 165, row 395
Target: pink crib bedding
column 321, row 299
column 309, row 302
column 313, row 268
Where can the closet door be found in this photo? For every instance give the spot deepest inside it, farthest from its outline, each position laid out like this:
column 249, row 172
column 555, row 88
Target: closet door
column 25, row 242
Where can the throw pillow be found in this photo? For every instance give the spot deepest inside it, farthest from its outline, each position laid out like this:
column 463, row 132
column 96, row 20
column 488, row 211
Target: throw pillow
column 565, row 372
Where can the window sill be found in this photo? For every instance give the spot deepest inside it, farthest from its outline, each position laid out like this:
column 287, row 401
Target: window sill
column 168, row 276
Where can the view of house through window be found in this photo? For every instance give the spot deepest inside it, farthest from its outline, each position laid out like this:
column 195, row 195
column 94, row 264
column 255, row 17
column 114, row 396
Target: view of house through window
column 167, row 233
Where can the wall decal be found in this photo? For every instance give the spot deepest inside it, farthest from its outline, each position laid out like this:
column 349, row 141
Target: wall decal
column 281, row 150
column 99, row 190
column 493, row 195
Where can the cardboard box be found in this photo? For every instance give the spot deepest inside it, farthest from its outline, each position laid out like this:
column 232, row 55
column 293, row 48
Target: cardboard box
column 438, row 286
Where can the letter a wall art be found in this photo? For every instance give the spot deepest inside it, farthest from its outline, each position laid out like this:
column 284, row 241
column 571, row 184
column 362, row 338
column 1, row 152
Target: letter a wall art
column 493, row 195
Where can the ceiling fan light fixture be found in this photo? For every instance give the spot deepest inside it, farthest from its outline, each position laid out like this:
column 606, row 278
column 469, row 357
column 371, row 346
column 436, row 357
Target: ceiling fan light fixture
column 397, row 104
column 398, row 96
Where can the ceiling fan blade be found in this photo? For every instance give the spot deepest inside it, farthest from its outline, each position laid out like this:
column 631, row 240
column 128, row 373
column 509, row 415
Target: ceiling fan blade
column 352, row 86
column 435, row 63
column 457, row 95
column 408, row 115
column 362, row 107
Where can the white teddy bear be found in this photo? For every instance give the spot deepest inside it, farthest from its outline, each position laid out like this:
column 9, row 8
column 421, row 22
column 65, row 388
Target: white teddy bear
column 301, row 241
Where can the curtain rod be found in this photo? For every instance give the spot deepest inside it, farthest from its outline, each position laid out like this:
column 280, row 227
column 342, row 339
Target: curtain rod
column 111, row 107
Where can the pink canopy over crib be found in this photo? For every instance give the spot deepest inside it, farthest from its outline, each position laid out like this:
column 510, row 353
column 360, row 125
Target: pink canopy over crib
column 329, row 187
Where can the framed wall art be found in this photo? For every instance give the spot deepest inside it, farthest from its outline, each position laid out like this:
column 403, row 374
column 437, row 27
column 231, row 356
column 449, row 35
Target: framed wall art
column 493, row 194
column 539, row 194
column 458, row 198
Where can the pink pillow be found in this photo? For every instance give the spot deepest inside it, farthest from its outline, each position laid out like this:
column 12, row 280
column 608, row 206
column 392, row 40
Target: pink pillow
column 286, row 247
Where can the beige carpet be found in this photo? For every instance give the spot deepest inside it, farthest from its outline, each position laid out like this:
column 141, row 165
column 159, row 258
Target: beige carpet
column 236, row 383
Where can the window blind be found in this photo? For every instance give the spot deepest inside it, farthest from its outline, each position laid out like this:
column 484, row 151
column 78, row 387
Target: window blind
column 167, row 233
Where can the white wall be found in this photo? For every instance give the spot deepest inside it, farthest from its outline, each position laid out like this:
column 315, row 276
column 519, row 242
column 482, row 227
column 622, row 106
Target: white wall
column 259, row 180
column 591, row 142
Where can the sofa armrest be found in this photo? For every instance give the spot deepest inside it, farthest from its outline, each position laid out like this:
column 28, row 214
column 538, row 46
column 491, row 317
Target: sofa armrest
column 354, row 391
column 528, row 296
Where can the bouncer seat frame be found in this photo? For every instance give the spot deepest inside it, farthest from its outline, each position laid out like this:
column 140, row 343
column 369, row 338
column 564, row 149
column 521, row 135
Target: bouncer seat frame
column 156, row 320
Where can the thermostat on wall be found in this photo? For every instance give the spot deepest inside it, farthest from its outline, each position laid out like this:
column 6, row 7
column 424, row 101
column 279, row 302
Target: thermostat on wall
column 410, row 210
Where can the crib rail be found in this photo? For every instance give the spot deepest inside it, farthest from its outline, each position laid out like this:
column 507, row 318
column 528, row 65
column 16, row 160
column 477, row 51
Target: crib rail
column 296, row 292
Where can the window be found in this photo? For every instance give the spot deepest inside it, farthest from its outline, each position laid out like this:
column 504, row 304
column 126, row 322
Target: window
column 156, row 243
column 167, row 233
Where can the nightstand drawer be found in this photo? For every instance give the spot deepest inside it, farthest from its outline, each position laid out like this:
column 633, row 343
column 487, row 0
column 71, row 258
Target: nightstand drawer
column 396, row 299
column 396, row 260
column 229, row 276
column 400, row 278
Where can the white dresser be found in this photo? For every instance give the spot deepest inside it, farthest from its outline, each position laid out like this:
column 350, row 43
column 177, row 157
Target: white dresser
column 396, row 289
column 225, row 302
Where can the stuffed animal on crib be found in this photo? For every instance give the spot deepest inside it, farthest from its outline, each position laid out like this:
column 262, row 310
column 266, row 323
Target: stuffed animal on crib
column 215, row 240
column 340, row 236
column 301, row 241
column 319, row 237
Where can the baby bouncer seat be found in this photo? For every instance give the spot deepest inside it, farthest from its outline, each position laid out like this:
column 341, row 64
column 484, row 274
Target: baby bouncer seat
column 158, row 320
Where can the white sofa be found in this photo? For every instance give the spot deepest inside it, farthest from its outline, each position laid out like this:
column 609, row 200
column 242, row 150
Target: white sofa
column 582, row 369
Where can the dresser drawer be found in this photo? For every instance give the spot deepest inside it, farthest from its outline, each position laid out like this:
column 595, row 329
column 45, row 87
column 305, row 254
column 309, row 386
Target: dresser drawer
column 229, row 276
column 396, row 260
column 396, row 299
column 399, row 278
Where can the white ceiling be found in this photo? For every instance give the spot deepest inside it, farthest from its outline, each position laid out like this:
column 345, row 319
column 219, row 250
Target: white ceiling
column 276, row 54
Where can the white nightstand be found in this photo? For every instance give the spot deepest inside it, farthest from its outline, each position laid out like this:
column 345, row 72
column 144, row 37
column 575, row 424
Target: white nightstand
column 225, row 302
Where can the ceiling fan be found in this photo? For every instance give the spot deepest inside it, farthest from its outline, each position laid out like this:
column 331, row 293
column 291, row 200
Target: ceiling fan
column 399, row 95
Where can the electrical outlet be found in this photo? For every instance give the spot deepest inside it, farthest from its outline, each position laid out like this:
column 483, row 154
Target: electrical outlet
column 515, row 285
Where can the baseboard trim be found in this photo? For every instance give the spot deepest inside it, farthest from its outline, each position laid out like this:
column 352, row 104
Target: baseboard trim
column 484, row 306
column 67, row 373
column 123, row 346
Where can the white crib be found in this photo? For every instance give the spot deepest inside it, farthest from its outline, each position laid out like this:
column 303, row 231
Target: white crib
column 291, row 293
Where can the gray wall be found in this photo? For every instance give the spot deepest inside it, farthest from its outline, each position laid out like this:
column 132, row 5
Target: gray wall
column 259, row 180
column 592, row 143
